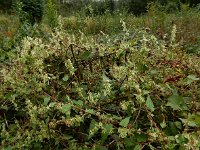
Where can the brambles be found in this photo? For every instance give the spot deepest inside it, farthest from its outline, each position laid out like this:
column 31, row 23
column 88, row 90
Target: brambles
column 101, row 82
column 76, row 91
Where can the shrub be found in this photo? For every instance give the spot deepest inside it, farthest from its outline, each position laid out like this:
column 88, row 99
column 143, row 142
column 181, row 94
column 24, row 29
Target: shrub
column 79, row 92
column 51, row 15
column 5, row 5
column 32, row 11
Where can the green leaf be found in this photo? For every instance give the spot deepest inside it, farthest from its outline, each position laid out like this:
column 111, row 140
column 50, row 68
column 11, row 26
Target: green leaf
column 150, row 104
column 137, row 147
column 99, row 147
column 163, row 124
column 93, row 128
column 8, row 148
column 145, row 92
column 105, row 78
column 142, row 67
column 37, row 146
column 107, row 129
column 65, row 78
column 194, row 120
column 178, row 124
column 46, row 100
column 141, row 137
column 153, row 72
column 52, row 104
column 86, row 55
column 181, row 139
column 188, row 122
column 129, row 142
column 90, row 111
column 66, row 108
column 176, row 102
column 67, row 137
column 172, row 127
column 79, row 102
column 124, row 122
column 151, row 147
column 4, row 107
column 191, row 78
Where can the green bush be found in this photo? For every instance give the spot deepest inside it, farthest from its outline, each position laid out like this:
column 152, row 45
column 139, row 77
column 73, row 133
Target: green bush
column 5, row 5
column 112, row 81
column 130, row 91
column 51, row 15
column 32, row 11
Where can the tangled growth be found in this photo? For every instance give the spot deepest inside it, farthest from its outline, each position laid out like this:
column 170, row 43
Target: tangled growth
column 131, row 91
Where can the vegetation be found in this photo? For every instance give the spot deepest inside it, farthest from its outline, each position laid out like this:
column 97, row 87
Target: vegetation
column 100, row 78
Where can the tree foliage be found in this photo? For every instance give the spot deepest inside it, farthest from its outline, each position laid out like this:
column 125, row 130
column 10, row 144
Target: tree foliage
column 32, row 10
column 5, row 5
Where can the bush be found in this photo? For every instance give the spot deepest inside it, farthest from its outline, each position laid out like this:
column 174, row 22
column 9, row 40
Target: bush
column 130, row 91
column 32, row 11
column 5, row 5
column 51, row 15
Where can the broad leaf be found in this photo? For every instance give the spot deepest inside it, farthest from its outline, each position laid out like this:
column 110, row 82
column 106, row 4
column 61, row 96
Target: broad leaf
column 163, row 124
column 8, row 148
column 94, row 127
column 66, row 108
column 86, row 55
column 107, row 130
column 105, row 78
column 90, row 111
column 124, row 122
column 79, row 102
column 141, row 137
column 191, row 78
column 178, row 124
column 150, row 104
column 65, row 78
column 46, row 100
column 52, row 104
column 137, row 147
column 176, row 102
column 194, row 120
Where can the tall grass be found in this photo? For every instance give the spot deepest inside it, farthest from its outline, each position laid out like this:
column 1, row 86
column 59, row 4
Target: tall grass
column 157, row 20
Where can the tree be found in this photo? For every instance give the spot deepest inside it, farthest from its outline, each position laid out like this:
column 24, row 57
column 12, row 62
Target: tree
column 5, row 5
column 33, row 10
column 110, row 5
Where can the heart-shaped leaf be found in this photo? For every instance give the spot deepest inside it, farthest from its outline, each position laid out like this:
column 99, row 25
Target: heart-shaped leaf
column 124, row 122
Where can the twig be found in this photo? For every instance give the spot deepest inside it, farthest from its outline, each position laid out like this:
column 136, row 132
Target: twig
column 111, row 143
column 155, row 125
column 5, row 120
column 137, row 115
column 79, row 71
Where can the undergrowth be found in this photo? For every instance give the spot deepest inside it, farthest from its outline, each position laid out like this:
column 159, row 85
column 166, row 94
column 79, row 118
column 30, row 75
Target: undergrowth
column 133, row 90
column 112, row 81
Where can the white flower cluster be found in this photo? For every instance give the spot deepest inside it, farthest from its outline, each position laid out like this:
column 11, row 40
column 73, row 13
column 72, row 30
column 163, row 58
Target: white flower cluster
column 125, row 104
column 75, row 121
column 96, row 127
column 69, row 66
column 123, row 132
column 173, row 36
column 119, row 72
column 93, row 98
column 107, row 89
